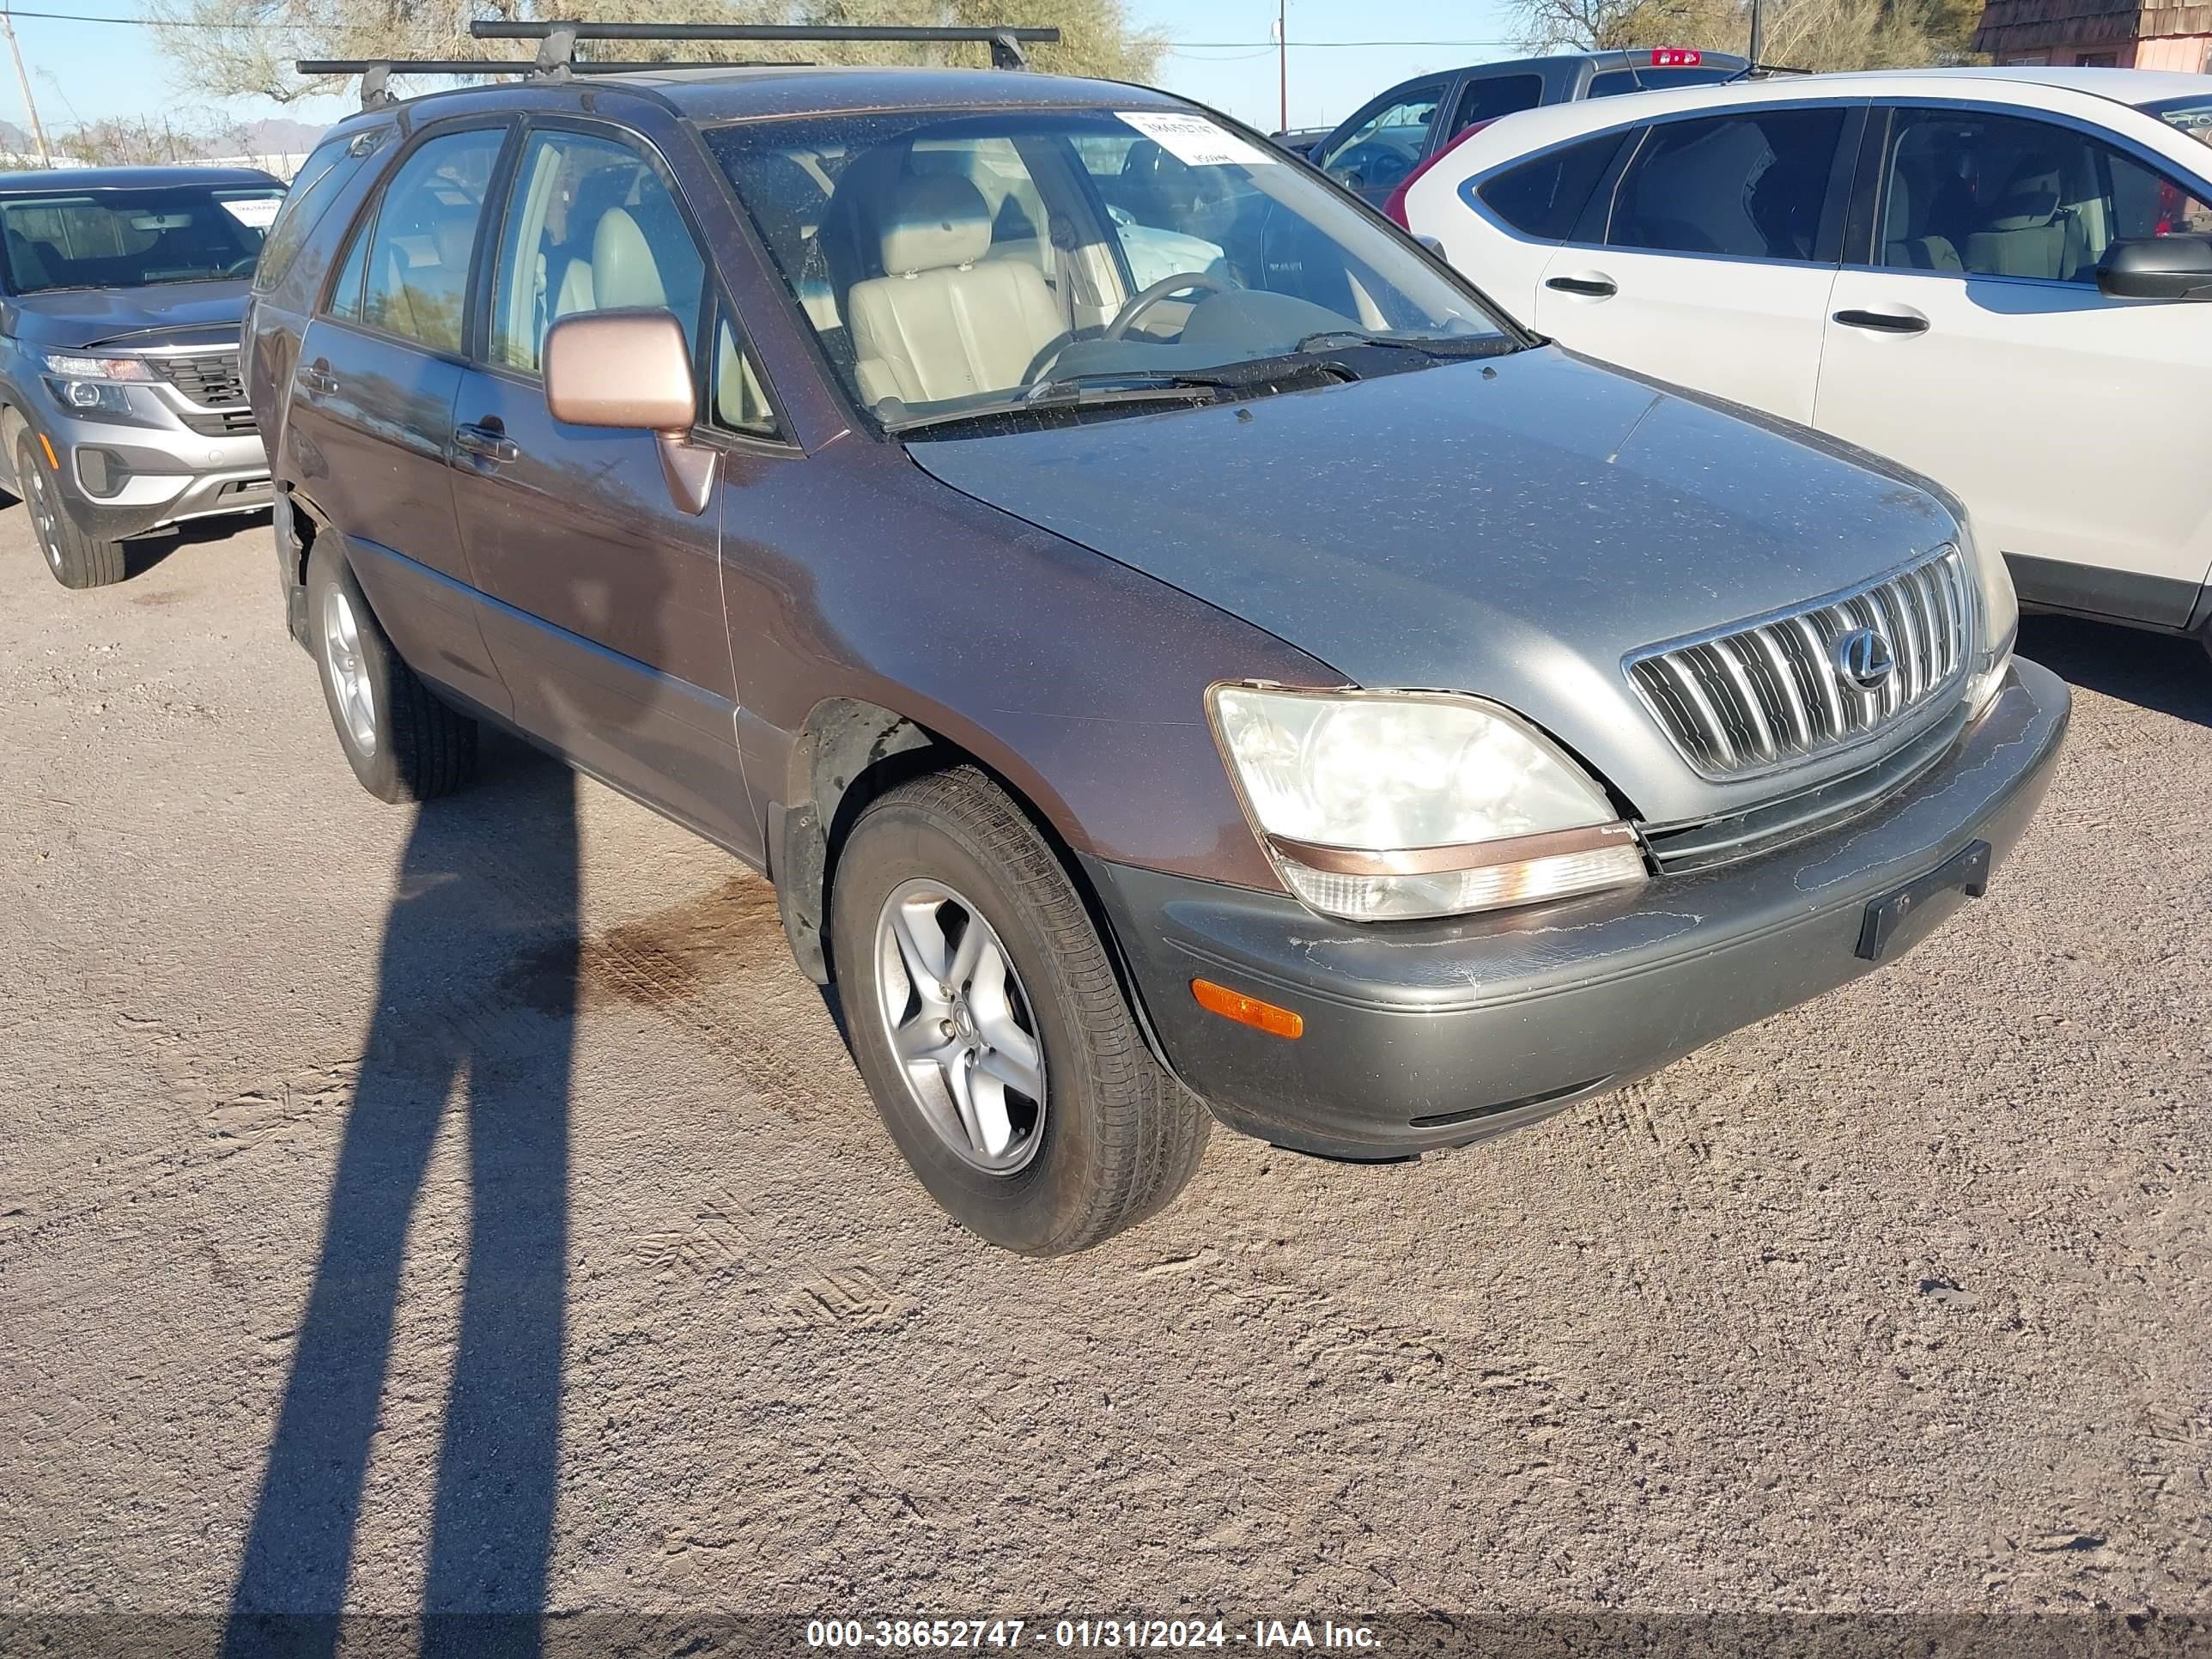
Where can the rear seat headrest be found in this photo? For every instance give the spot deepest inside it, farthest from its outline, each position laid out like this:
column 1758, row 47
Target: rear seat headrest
column 933, row 222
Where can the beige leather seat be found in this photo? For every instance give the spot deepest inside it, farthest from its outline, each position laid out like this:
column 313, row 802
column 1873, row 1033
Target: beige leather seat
column 1903, row 244
column 944, row 321
column 2030, row 235
column 622, row 272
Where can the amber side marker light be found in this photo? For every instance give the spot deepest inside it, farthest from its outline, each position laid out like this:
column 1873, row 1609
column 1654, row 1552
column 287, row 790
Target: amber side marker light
column 1247, row 1010
column 47, row 443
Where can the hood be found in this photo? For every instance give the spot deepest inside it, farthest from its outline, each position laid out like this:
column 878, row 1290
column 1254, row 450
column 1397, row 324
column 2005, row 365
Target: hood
column 1514, row 534
column 132, row 318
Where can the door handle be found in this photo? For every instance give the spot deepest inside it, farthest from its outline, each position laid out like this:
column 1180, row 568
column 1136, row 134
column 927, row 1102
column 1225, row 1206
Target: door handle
column 1884, row 322
column 486, row 443
column 317, row 379
column 1591, row 288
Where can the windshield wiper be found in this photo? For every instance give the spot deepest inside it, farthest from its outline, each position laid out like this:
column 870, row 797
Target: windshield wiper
column 1070, row 393
column 1443, row 348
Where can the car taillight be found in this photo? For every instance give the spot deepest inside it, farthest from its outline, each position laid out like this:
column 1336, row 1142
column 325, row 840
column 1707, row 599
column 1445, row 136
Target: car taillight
column 1676, row 57
column 1395, row 206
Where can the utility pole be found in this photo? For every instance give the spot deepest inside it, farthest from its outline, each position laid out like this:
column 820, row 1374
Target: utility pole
column 1283, row 64
column 23, row 77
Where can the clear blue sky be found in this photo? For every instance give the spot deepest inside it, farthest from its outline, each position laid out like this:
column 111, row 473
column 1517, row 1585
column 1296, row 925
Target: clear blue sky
column 85, row 72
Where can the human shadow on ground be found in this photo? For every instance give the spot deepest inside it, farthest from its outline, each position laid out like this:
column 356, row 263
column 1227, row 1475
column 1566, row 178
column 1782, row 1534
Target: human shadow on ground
column 486, row 876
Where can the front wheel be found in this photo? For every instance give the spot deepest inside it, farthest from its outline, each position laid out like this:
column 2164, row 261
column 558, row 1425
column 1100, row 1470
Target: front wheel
column 75, row 559
column 988, row 1021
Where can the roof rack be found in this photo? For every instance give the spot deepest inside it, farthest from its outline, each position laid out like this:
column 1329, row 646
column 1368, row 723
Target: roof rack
column 558, row 39
column 376, row 72
column 556, row 56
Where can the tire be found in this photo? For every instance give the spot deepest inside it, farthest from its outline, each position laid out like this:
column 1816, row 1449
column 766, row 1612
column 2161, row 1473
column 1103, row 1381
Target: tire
column 75, row 559
column 1115, row 1138
column 402, row 741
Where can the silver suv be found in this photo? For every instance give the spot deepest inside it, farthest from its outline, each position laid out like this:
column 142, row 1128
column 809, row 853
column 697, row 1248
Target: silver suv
column 122, row 406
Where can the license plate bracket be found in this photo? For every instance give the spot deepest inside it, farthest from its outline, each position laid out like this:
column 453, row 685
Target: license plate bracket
column 1896, row 921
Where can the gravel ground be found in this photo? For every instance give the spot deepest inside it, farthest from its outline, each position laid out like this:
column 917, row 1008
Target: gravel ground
column 477, row 1210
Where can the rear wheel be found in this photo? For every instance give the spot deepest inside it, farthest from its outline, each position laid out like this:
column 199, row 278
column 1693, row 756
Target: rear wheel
column 402, row 741
column 75, row 559
column 987, row 1020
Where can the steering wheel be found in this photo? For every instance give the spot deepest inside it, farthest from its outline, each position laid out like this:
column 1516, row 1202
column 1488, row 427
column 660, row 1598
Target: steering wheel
column 242, row 267
column 1181, row 283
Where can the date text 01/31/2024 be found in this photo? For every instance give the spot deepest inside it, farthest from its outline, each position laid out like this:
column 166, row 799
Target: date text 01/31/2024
column 1095, row 1635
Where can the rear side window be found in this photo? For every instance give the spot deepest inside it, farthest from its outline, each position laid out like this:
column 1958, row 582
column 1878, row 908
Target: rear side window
column 1544, row 198
column 1749, row 185
column 416, row 282
column 1492, row 95
column 321, row 179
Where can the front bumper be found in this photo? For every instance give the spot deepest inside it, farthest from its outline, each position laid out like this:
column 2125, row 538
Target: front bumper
column 119, row 481
column 1420, row 1036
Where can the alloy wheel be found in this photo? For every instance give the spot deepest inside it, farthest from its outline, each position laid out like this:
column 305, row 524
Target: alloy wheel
column 348, row 673
column 42, row 518
column 961, row 1026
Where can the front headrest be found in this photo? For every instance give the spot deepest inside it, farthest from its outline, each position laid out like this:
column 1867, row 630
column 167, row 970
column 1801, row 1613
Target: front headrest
column 624, row 273
column 2031, row 199
column 455, row 239
column 933, row 222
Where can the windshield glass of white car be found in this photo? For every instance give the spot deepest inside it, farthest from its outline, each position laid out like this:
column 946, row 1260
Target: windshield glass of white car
column 2192, row 115
column 957, row 262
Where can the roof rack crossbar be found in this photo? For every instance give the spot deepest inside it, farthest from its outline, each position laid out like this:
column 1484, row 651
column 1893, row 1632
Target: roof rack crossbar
column 1005, row 43
column 376, row 72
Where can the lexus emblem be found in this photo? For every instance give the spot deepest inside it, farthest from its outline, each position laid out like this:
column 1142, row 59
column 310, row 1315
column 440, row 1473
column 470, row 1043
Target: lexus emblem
column 1863, row 659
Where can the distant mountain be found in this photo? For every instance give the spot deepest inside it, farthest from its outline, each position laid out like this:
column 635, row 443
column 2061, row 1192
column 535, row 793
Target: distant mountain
column 280, row 136
column 14, row 139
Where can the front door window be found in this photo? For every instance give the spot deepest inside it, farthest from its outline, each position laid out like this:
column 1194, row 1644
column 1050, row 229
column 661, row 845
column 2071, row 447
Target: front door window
column 1982, row 195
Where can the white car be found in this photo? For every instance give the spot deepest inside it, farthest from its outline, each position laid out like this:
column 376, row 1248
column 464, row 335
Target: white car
column 1986, row 274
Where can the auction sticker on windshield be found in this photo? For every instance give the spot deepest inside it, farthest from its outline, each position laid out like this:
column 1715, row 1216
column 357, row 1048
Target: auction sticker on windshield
column 255, row 212
column 1194, row 141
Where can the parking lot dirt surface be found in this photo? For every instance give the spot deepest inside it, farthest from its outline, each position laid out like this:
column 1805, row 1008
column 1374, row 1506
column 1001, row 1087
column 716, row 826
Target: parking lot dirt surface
column 474, row 1208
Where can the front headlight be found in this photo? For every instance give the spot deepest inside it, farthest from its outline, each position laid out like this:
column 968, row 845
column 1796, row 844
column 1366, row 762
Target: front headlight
column 65, row 366
column 1996, row 612
column 1389, row 805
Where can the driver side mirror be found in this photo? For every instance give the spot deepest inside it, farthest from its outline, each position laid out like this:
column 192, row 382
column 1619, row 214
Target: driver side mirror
column 632, row 370
column 2157, row 268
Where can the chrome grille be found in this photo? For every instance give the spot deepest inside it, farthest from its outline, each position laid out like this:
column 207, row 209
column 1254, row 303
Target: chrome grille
column 1763, row 693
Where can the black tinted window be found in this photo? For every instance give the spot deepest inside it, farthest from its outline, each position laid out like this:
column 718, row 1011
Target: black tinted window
column 1613, row 83
column 1749, row 185
column 1494, row 95
column 418, row 280
column 1544, row 198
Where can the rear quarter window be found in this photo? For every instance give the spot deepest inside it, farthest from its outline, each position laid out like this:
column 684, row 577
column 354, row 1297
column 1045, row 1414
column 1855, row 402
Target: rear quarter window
column 321, row 179
column 1543, row 197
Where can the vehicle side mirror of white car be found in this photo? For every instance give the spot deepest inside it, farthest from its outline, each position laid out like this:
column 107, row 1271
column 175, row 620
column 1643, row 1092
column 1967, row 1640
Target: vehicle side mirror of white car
column 2157, row 268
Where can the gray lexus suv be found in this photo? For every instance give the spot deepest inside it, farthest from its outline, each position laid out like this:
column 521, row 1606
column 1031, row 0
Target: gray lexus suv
column 1176, row 650
column 122, row 408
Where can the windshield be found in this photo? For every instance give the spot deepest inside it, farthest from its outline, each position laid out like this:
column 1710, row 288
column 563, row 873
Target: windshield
column 134, row 238
column 2192, row 115
column 955, row 261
